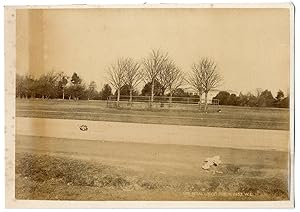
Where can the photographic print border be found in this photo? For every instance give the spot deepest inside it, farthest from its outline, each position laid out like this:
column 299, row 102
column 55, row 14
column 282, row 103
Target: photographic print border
column 10, row 70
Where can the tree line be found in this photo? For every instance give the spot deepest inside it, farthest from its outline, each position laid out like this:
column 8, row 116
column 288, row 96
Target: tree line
column 159, row 73
column 55, row 85
column 260, row 99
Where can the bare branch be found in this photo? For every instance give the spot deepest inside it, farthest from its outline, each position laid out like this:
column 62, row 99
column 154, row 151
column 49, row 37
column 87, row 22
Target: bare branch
column 205, row 77
column 210, row 77
column 195, row 79
column 116, row 74
column 176, row 80
column 133, row 74
column 170, row 77
column 154, row 64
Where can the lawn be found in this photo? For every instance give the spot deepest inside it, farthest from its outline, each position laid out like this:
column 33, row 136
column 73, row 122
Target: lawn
column 229, row 117
column 68, row 169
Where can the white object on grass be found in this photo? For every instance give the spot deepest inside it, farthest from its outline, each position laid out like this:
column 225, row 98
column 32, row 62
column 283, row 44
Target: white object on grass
column 213, row 161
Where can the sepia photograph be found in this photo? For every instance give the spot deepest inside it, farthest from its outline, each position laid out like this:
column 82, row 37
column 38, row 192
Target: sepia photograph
column 151, row 103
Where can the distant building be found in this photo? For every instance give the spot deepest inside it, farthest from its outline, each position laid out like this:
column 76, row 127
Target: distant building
column 211, row 94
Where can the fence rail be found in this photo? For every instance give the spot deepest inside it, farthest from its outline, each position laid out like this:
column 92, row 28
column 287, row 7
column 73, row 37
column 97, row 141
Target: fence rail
column 144, row 102
column 164, row 99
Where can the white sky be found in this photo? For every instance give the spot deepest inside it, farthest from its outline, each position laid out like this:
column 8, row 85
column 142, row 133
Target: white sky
column 250, row 46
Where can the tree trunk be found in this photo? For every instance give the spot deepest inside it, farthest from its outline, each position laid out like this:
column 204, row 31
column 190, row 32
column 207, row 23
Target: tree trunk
column 130, row 96
column 152, row 91
column 205, row 103
column 163, row 90
column 63, row 93
column 170, row 99
column 118, row 98
column 199, row 103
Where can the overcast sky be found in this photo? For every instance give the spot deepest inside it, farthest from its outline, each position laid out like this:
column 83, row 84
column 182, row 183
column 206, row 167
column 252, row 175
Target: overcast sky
column 250, row 46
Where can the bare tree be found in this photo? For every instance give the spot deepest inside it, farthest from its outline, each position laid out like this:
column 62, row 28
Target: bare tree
column 195, row 80
column 116, row 76
column 163, row 77
column 170, row 78
column 133, row 75
column 209, row 75
column 92, row 90
column 176, row 80
column 152, row 66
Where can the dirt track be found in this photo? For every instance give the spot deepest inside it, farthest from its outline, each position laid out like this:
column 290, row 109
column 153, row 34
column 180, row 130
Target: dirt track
column 155, row 133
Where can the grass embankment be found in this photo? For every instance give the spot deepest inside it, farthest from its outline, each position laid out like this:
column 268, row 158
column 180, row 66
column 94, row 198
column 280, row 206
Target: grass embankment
column 66, row 169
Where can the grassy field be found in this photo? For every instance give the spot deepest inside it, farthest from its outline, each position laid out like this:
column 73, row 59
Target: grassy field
column 66, row 169
column 229, row 117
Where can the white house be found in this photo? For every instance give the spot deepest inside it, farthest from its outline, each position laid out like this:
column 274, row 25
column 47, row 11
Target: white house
column 212, row 93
